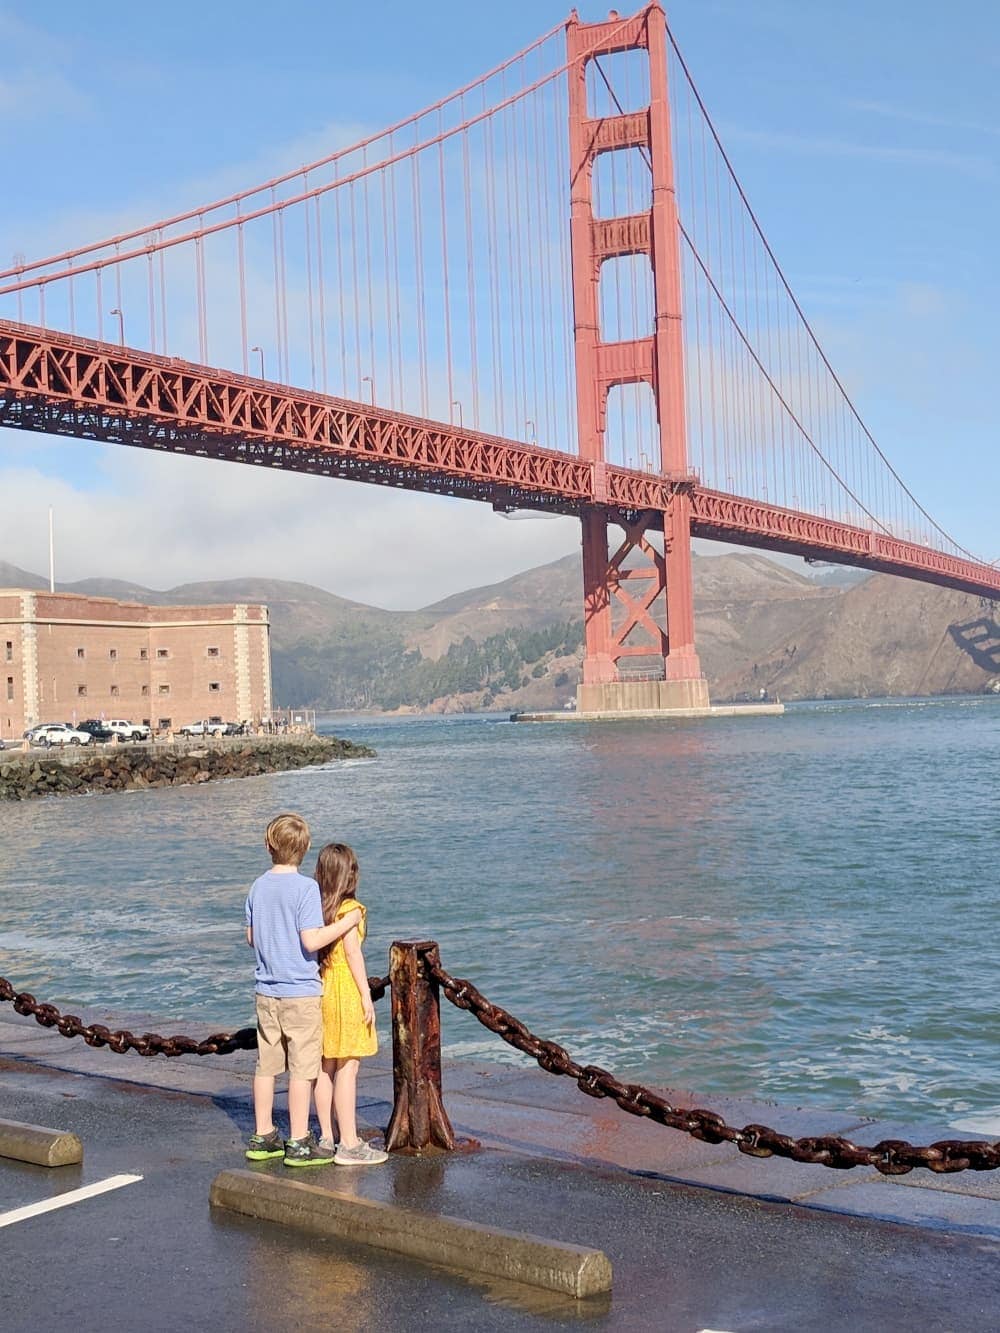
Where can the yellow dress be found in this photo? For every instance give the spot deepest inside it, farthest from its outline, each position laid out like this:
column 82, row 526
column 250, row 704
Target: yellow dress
column 346, row 1035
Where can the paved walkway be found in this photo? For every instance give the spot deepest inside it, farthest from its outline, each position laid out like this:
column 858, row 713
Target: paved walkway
column 528, row 1111
column 769, row 1245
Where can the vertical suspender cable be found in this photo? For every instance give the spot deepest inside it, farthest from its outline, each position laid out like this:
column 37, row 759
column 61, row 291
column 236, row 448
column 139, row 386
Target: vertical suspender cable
column 241, row 261
column 322, row 295
column 446, row 297
column 470, row 274
column 310, row 315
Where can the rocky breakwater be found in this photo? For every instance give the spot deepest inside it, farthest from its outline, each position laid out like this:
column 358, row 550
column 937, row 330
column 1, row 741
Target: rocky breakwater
column 117, row 768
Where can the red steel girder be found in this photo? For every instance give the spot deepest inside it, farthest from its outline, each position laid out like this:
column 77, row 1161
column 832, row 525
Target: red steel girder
column 63, row 385
column 74, row 386
column 723, row 517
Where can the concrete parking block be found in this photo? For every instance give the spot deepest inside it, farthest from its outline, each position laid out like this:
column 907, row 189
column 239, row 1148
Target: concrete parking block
column 573, row 1270
column 39, row 1145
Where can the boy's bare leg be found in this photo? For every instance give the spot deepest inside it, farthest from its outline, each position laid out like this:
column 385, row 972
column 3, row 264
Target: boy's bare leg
column 345, row 1096
column 263, row 1102
column 300, row 1091
column 324, row 1100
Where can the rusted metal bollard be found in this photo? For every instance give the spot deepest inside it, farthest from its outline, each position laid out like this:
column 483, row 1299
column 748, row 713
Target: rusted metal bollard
column 419, row 1122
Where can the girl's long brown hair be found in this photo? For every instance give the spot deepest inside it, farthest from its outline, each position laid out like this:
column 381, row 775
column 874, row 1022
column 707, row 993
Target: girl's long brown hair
column 337, row 875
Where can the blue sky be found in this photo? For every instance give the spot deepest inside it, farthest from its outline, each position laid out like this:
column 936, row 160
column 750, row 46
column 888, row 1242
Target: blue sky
column 867, row 137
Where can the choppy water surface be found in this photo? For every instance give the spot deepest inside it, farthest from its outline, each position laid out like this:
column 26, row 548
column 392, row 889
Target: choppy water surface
column 805, row 907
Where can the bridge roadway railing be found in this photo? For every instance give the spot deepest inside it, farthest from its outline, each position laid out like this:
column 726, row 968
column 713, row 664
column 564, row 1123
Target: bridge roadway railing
column 419, row 1122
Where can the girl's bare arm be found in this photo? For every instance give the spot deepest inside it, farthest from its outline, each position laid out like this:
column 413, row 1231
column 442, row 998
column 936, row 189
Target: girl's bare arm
column 356, row 962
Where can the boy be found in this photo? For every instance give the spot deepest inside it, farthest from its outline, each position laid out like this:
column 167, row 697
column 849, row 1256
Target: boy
column 284, row 919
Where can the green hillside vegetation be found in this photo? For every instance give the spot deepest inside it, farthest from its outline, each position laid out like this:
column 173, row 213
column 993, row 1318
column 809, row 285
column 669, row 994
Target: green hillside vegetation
column 375, row 669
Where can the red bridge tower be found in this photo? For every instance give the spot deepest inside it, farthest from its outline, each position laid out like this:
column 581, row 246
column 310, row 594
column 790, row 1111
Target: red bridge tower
column 638, row 602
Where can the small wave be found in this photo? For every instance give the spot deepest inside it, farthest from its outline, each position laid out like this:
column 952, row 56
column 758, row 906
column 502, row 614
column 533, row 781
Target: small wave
column 986, row 1122
column 13, row 939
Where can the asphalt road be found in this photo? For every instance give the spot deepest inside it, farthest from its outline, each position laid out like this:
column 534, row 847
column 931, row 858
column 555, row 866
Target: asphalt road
column 150, row 1255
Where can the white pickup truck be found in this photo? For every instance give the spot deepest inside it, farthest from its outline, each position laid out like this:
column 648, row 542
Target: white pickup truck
column 128, row 731
column 203, row 729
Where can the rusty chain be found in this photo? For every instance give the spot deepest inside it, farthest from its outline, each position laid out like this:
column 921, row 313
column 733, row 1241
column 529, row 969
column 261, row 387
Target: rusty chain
column 892, row 1157
column 150, row 1043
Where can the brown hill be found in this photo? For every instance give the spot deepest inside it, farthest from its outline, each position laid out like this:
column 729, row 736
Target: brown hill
column 886, row 636
column 760, row 624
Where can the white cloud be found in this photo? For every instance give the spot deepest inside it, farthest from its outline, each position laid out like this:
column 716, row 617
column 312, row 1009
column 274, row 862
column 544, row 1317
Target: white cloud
column 972, row 164
column 174, row 520
column 892, row 112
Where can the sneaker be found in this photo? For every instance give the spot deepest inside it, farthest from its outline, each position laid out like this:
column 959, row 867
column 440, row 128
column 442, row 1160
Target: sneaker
column 327, row 1145
column 363, row 1155
column 306, row 1152
column 262, row 1146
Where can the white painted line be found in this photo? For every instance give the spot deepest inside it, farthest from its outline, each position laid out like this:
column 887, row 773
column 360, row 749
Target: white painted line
column 64, row 1200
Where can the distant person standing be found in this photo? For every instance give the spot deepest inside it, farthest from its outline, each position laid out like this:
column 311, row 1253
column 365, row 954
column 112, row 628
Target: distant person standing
column 284, row 922
column 348, row 1014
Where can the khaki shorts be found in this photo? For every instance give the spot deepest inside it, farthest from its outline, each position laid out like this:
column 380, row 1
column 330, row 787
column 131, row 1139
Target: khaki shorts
column 289, row 1035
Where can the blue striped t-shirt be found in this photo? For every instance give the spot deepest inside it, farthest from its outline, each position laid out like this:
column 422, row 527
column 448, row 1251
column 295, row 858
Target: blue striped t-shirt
column 278, row 906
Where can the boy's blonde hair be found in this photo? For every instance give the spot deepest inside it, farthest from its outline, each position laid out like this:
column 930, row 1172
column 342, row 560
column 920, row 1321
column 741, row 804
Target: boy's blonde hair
column 287, row 839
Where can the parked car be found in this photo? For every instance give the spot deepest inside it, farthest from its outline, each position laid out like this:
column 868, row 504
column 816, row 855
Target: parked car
column 127, row 731
column 98, row 730
column 204, row 729
column 61, row 733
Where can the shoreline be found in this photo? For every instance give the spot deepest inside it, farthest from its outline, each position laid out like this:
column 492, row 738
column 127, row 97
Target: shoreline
column 503, row 710
column 32, row 775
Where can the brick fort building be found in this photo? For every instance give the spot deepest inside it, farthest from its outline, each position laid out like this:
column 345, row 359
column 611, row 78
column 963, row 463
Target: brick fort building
column 64, row 658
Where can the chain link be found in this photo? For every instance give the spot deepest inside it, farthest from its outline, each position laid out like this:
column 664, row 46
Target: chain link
column 150, row 1043
column 892, row 1157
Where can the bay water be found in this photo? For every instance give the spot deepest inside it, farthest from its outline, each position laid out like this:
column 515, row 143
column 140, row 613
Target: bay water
column 805, row 908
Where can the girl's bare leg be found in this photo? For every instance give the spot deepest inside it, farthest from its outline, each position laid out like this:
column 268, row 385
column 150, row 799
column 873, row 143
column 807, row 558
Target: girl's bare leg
column 324, row 1100
column 345, row 1096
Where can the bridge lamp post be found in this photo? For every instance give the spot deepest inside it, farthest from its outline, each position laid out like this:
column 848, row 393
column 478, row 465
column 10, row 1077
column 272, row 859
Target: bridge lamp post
column 530, row 425
column 367, row 379
column 455, row 402
column 260, row 350
column 121, row 326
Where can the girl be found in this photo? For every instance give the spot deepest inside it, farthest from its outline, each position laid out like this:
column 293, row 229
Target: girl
column 348, row 1013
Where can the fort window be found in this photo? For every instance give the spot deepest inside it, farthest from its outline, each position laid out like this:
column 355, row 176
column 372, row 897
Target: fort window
column 163, row 652
column 163, row 689
column 114, row 691
column 212, row 652
column 163, row 724
column 81, row 691
column 143, row 654
column 10, row 650
column 113, row 654
column 81, row 652
column 145, row 690
column 10, row 687
column 214, row 687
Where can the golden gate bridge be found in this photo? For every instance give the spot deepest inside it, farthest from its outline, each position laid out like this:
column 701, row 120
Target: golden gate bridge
column 546, row 291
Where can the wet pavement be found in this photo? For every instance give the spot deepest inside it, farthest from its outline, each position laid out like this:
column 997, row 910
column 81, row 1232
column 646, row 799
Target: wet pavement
column 151, row 1255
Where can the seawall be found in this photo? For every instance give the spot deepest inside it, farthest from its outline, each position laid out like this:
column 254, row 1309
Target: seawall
column 27, row 775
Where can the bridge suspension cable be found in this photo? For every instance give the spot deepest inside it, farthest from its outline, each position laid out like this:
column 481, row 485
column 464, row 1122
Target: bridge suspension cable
column 426, row 269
